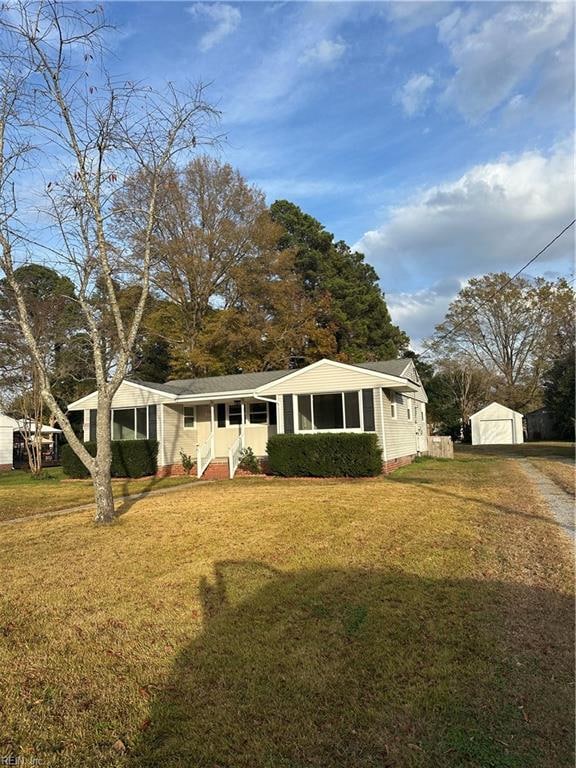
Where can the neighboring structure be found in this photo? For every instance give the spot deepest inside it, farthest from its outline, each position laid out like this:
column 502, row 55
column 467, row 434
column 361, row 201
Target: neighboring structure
column 539, row 425
column 13, row 433
column 7, row 427
column 214, row 419
column 497, row 425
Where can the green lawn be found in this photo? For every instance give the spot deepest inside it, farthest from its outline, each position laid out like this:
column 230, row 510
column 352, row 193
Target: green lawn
column 22, row 495
column 423, row 620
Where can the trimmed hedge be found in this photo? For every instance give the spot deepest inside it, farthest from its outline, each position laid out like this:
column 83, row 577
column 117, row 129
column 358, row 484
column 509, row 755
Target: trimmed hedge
column 130, row 458
column 331, row 454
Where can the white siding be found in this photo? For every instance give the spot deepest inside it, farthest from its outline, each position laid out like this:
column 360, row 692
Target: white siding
column 6, row 445
column 400, row 433
column 411, row 372
column 126, row 396
column 176, row 438
column 326, row 378
column 496, row 424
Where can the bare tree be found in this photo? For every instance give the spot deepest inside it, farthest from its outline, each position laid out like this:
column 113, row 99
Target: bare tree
column 509, row 328
column 60, row 107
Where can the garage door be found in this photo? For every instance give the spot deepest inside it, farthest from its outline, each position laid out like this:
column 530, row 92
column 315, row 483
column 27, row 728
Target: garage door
column 496, row 431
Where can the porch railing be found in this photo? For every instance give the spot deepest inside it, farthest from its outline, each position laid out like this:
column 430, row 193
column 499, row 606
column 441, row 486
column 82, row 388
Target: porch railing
column 204, row 454
column 234, row 454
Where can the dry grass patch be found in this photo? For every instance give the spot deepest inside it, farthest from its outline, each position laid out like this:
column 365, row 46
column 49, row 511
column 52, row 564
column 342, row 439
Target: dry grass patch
column 561, row 472
column 21, row 495
column 423, row 620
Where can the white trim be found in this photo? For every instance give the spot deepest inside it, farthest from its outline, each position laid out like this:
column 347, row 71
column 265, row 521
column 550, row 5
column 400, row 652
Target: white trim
column 345, row 366
column 72, row 407
column 133, row 408
column 161, row 437
column 217, row 396
column 383, row 424
column 184, row 417
column 499, row 405
column 312, row 395
column 248, row 420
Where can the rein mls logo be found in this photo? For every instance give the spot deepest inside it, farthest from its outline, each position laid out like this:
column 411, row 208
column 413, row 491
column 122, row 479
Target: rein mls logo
column 19, row 760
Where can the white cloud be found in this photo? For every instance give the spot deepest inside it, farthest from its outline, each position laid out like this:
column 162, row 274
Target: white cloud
column 408, row 16
column 281, row 81
column 493, row 218
column 419, row 312
column 324, row 52
column 494, row 56
column 225, row 17
column 413, row 93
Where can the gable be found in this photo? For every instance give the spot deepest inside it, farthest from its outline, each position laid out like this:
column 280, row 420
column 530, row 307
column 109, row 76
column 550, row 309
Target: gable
column 128, row 394
column 494, row 411
column 331, row 376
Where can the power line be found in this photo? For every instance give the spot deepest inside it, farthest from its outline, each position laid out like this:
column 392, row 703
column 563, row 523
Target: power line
column 485, row 301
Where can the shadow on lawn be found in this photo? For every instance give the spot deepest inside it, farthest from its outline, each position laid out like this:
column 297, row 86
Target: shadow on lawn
column 358, row 669
column 427, row 483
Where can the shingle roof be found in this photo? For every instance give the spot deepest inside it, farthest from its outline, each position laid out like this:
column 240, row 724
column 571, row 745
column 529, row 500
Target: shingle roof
column 251, row 381
column 201, row 386
column 391, row 367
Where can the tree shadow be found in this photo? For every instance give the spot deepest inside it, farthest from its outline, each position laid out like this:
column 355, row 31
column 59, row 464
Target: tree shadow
column 336, row 668
column 428, row 484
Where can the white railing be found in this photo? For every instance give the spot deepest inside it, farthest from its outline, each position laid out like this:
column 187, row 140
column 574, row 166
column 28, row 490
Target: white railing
column 234, row 454
column 204, row 454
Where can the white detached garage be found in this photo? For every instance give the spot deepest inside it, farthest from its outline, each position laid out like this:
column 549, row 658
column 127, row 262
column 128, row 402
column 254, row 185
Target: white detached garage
column 497, row 425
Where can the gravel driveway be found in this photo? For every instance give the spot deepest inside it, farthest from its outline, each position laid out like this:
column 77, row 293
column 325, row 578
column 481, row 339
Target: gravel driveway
column 560, row 503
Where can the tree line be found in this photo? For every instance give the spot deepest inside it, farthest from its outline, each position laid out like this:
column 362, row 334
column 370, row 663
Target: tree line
column 504, row 339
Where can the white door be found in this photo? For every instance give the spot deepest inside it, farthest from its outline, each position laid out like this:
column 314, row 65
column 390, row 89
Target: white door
column 496, row 432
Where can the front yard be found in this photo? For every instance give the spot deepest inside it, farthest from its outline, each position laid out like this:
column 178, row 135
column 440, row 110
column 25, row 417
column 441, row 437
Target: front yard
column 419, row 621
column 22, row 495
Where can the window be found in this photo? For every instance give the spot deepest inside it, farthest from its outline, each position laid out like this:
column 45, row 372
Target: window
column 304, row 413
column 189, row 417
column 129, row 424
column 396, row 399
column 408, row 409
column 235, row 413
column 258, row 413
column 334, row 411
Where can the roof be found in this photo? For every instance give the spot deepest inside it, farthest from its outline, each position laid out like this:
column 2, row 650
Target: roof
column 498, row 405
column 201, row 386
column 240, row 382
column 391, row 367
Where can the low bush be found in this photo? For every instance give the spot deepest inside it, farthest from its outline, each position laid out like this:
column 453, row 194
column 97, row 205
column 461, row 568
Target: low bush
column 249, row 462
column 130, row 458
column 332, row 454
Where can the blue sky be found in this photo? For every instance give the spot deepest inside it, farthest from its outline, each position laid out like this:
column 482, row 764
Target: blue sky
column 435, row 137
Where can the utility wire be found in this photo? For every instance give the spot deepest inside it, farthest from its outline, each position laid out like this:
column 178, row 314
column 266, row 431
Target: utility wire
column 429, row 348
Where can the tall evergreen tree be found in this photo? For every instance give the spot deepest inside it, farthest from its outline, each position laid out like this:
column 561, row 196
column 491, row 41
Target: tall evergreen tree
column 363, row 328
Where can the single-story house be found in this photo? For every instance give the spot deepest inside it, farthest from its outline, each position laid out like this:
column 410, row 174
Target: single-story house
column 496, row 425
column 7, row 427
column 213, row 419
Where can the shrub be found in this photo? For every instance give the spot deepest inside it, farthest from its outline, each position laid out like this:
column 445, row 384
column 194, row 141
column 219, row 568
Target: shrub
column 249, row 462
column 331, row 454
column 130, row 458
column 187, row 462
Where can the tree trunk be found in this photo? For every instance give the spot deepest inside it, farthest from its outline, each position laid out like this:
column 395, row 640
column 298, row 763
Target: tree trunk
column 105, row 512
column 102, row 477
